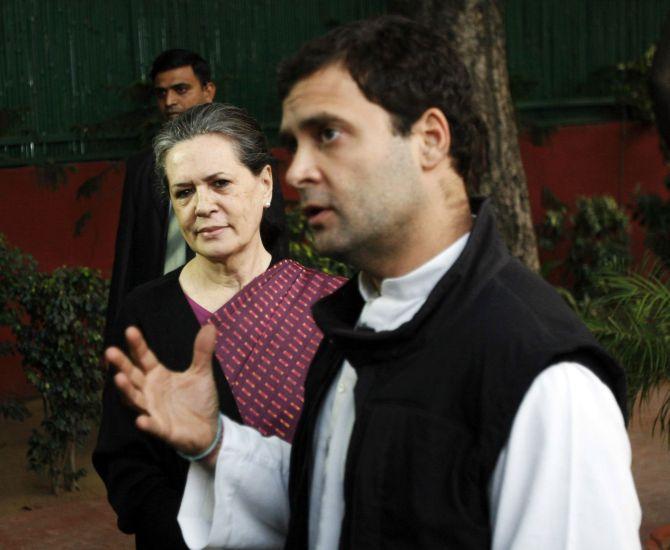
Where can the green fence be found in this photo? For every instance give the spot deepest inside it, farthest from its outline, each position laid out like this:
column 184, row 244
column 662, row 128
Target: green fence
column 559, row 51
column 67, row 67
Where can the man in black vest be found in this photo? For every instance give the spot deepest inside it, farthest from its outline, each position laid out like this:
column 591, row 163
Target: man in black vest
column 456, row 402
column 148, row 240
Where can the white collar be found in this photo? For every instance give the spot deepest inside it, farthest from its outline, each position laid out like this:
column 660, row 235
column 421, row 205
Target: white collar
column 417, row 284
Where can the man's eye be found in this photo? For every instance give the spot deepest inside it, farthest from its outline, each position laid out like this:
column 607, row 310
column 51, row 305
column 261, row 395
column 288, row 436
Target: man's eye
column 326, row 135
column 181, row 89
column 160, row 94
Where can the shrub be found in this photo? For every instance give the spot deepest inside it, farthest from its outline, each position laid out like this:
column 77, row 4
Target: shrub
column 57, row 320
column 61, row 343
column 631, row 318
column 653, row 213
column 596, row 236
column 17, row 276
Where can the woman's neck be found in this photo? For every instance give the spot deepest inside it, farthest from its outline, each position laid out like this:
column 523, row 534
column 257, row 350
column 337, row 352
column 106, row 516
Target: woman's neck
column 211, row 283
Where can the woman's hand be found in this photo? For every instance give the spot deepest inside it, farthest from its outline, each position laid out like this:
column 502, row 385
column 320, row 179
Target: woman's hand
column 181, row 408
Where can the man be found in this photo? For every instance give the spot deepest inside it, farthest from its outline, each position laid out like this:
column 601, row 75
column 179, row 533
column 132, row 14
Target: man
column 148, row 240
column 455, row 402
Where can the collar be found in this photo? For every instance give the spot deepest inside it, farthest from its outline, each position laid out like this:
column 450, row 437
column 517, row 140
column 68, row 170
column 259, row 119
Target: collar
column 483, row 255
column 417, row 284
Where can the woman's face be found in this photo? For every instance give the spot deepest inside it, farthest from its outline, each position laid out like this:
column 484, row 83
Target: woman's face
column 217, row 200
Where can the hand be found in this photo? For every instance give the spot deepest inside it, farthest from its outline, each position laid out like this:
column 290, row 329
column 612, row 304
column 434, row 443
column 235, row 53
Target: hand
column 179, row 407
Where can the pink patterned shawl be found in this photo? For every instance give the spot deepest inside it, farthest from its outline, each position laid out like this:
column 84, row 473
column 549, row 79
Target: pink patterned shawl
column 266, row 341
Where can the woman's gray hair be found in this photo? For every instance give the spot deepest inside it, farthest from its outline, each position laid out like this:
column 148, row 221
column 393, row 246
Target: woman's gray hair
column 226, row 120
column 251, row 147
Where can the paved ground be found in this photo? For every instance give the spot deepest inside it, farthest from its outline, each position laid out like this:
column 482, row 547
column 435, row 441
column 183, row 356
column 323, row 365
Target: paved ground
column 31, row 518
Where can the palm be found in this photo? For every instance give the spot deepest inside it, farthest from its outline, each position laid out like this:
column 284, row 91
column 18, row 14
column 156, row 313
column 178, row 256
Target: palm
column 179, row 407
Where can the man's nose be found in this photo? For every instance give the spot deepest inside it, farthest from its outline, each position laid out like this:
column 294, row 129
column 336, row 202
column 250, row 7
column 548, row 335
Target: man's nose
column 170, row 97
column 303, row 169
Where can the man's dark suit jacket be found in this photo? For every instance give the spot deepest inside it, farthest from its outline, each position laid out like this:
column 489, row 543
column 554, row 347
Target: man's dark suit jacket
column 141, row 235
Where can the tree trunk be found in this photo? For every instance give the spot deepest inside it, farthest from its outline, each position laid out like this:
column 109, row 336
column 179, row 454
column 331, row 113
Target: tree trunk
column 70, row 466
column 475, row 28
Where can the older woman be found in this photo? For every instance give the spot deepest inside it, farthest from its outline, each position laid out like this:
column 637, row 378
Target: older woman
column 216, row 166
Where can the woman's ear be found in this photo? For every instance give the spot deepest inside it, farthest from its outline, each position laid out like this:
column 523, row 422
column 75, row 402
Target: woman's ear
column 432, row 130
column 265, row 179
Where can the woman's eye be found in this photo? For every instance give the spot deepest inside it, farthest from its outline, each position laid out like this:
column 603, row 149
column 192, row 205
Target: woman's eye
column 220, row 184
column 182, row 193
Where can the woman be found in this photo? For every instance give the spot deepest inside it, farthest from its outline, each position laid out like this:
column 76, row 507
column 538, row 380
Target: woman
column 216, row 166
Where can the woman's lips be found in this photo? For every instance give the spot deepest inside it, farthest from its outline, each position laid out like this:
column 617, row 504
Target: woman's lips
column 211, row 231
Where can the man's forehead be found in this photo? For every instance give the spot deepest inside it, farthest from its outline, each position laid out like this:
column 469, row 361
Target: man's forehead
column 183, row 74
column 328, row 90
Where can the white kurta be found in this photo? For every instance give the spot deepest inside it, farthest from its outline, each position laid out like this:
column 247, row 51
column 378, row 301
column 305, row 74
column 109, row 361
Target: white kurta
column 562, row 481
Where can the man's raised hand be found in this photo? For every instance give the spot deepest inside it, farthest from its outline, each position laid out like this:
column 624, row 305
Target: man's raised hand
column 181, row 408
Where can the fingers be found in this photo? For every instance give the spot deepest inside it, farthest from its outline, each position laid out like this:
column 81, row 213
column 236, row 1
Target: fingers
column 133, row 396
column 142, row 356
column 124, row 365
column 203, row 348
column 149, row 424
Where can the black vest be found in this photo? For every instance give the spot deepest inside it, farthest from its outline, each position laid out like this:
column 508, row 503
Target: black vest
column 436, row 398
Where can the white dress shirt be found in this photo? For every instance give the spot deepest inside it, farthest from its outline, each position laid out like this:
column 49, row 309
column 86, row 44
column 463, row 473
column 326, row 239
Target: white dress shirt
column 563, row 480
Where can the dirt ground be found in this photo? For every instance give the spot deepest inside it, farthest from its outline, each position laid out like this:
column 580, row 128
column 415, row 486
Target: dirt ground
column 32, row 518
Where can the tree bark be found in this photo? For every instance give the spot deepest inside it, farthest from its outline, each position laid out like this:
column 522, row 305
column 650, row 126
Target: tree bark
column 476, row 30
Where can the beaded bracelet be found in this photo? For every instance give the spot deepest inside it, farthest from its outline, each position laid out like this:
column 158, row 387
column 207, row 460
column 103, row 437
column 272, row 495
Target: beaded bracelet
column 208, row 450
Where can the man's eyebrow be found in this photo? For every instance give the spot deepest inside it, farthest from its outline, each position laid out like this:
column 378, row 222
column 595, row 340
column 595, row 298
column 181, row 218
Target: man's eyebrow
column 172, row 86
column 317, row 121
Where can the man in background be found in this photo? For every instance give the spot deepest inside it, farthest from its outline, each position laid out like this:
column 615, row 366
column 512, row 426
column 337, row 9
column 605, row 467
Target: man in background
column 148, row 240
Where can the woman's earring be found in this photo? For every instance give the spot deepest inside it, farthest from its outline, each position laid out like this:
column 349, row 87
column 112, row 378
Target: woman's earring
column 267, row 204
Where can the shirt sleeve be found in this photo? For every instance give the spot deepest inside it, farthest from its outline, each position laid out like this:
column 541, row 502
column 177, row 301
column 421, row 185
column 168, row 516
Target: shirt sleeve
column 244, row 502
column 563, row 480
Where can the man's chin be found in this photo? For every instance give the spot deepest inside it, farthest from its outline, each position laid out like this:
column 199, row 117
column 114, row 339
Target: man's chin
column 326, row 246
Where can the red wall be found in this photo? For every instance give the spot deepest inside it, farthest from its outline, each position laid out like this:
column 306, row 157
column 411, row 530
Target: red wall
column 578, row 160
column 612, row 159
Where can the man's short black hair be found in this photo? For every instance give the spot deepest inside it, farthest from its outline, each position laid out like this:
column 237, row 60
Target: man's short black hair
column 173, row 59
column 405, row 68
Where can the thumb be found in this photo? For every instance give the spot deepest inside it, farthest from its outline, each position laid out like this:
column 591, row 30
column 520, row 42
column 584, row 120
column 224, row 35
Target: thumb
column 203, row 348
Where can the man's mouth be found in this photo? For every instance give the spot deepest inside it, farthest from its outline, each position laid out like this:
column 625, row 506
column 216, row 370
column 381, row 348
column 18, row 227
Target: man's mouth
column 316, row 214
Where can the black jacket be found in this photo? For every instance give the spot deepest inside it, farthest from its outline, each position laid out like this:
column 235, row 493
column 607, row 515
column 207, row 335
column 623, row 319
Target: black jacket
column 139, row 254
column 145, row 478
column 435, row 398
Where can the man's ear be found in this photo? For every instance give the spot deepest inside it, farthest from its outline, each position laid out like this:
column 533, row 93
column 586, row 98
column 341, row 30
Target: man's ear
column 210, row 91
column 432, row 129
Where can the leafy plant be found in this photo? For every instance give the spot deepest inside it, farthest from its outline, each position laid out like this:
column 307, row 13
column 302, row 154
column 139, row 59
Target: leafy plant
column 17, row 275
column 631, row 318
column 61, row 342
column 596, row 237
column 301, row 247
column 57, row 320
column 653, row 213
column 631, row 86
